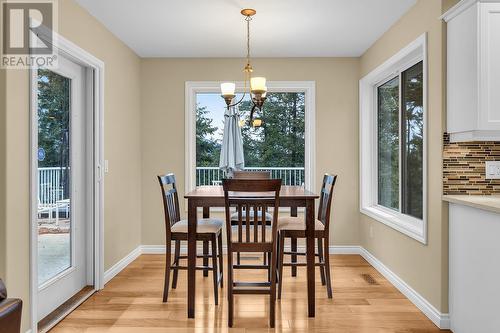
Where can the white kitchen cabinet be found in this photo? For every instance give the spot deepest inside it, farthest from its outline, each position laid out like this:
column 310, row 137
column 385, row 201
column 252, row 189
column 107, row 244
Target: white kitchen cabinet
column 474, row 268
column 473, row 71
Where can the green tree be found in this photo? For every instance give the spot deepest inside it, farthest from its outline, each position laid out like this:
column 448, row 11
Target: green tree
column 279, row 142
column 53, row 118
column 54, row 124
column 207, row 148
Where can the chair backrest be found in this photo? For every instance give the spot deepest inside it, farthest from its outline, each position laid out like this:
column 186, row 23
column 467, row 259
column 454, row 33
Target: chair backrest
column 325, row 199
column 258, row 194
column 170, row 200
column 251, row 174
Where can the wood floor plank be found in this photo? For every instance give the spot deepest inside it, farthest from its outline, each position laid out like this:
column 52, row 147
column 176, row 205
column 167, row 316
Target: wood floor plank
column 132, row 302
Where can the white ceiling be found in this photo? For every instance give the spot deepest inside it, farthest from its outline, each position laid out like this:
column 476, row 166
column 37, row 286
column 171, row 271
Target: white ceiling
column 215, row 28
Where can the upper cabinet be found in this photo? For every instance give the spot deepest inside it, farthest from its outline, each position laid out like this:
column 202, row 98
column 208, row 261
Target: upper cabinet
column 473, row 72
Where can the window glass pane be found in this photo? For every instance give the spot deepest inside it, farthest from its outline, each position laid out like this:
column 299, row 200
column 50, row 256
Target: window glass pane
column 388, row 144
column 278, row 145
column 412, row 141
column 54, row 176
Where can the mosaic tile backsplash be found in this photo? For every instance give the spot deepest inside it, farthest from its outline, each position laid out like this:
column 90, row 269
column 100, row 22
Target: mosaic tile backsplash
column 464, row 167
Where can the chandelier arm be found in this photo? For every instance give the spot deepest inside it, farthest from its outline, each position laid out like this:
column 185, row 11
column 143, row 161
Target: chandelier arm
column 241, row 100
column 252, row 112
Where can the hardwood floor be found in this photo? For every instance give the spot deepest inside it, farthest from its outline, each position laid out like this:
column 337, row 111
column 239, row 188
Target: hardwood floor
column 363, row 301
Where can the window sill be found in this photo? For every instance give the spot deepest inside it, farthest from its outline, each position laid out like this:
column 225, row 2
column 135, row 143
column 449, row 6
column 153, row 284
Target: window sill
column 410, row 226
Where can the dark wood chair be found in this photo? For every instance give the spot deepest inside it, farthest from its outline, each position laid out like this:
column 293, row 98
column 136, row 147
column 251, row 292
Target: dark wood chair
column 258, row 194
column 295, row 227
column 234, row 216
column 208, row 231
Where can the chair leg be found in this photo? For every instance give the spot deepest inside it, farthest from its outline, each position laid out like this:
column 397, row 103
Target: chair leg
column 221, row 261
column 269, row 269
column 321, row 260
column 177, row 254
column 230, row 296
column 280, row 263
column 294, row 257
column 215, row 269
column 327, row 268
column 272, row 301
column 168, row 258
column 205, row 257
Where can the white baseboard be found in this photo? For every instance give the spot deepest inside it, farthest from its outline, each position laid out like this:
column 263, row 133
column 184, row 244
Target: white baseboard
column 160, row 249
column 441, row 320
column 120, row 265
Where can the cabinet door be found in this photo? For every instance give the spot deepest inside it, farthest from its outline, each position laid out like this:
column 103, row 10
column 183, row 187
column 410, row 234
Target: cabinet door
column 489, row 85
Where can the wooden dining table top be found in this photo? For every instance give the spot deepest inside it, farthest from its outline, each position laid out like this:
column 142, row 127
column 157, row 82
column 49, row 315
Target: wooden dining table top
column 295, row 192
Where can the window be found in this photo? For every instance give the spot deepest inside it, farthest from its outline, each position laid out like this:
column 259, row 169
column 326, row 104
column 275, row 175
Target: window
column 283, row 144
column 393, row 171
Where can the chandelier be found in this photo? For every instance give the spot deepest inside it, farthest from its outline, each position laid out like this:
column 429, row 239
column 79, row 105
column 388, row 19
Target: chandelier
column 254, row 86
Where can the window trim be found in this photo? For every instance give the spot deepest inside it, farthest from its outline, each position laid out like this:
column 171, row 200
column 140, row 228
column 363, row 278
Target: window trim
column 413, row 53
column 306, row 87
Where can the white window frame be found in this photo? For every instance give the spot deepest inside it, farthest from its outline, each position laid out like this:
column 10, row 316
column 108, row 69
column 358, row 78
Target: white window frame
column 404, row 59
column 306, row 87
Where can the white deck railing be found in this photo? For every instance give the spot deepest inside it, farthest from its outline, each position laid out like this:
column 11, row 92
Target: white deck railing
column 50, row 188
column 213, row 175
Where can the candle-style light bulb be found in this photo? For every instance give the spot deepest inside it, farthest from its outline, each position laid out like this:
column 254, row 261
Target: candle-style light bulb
column 227, row 88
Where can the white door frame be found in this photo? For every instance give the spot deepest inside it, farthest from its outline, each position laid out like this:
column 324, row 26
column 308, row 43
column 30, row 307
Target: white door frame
column 95, row 77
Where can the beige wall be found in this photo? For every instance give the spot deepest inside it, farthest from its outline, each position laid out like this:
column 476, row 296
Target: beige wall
column 122, row 148
column 423, row 267
column 162, row 107
column 2, row 172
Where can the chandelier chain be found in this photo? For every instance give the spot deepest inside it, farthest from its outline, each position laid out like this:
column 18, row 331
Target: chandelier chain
column 248, row 19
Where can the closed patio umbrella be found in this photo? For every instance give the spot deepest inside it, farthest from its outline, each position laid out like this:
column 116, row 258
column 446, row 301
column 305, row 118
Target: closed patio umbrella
column 231, row 153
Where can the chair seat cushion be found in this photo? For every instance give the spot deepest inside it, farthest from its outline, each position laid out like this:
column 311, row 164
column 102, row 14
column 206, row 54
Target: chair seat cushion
column 297, row 223
column 234, row 216
column 205, row 226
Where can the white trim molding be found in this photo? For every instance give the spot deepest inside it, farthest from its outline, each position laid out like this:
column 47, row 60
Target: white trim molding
column 407, row 57
column 441, row 320
column 95, row 76
column 124, row 262
column 460, row 7
column 307, row 87
column 335, row 249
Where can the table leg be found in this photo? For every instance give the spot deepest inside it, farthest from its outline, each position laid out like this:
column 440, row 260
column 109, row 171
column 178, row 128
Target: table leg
column 293, row 243
column 191, row 257
column 310, row 257
column 206, row 215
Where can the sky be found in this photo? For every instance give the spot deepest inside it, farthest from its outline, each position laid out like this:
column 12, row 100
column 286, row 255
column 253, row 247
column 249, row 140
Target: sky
column 217, row 106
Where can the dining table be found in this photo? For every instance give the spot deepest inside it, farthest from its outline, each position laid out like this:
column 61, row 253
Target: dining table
column 294, row 197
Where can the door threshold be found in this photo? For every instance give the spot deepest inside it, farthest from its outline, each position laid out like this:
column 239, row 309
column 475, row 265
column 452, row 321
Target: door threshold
column 53, row 318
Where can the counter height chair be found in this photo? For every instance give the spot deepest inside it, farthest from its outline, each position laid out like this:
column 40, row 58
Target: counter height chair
column 234, row 216
column 295, row 227
column 258, row 194
column 208, row 231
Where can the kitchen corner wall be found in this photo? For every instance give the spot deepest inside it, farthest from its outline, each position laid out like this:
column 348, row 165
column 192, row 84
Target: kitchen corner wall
column 464, row 167
column 422, row 266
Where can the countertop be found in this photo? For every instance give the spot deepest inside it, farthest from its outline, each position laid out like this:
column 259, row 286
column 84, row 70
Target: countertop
column 487, row 202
